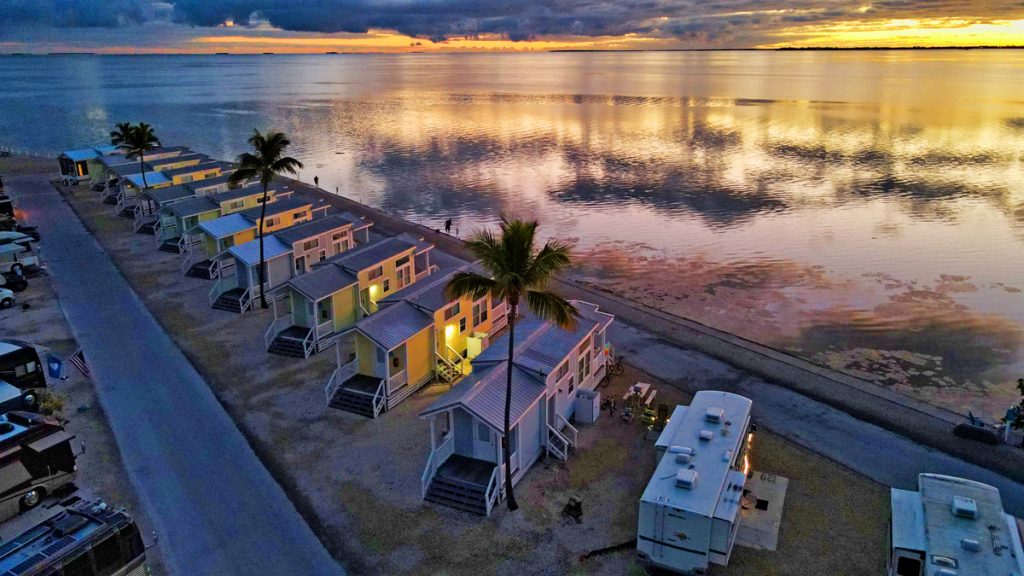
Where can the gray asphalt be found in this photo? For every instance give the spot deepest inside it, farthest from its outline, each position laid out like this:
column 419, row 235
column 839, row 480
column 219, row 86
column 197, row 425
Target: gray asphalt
column 215, row 507
column 881, row 455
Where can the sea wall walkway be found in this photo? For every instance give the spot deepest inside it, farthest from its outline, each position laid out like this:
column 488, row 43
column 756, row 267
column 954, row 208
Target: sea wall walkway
column 924, row 423
column 216, row 508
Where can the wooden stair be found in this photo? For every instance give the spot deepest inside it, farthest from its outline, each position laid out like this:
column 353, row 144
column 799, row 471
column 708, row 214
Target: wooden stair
column 354, row 402
column 446, row 373
column 461, row 483
column 287, row 347
column 230, row 301
column 148, row 229
column 170, row 246
column 202, row 270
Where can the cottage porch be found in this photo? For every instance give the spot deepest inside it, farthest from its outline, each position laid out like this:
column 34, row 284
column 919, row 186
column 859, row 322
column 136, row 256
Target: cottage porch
column 376, row 387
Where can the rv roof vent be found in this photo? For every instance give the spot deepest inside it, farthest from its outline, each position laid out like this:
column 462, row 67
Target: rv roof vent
column 714, row 414
column 945, row 561
column 682, row 458
column 680, row 450
column 727, row 456
column 970, row 545
column 706, row 435
column 965, row 507
column 686, row 478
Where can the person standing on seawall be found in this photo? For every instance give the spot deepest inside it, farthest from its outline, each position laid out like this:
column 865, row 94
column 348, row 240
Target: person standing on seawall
column 316, row 181
column 448, row 226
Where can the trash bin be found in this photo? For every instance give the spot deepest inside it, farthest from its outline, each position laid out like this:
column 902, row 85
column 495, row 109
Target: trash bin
column 588, row 406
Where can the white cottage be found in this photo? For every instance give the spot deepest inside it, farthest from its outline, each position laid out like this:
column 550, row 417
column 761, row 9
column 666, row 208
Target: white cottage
column 550, row 366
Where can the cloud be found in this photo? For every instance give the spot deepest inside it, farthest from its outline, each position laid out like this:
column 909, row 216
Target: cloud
column 714, row 22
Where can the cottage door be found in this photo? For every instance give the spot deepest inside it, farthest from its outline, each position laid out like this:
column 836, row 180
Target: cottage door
column 483, row 442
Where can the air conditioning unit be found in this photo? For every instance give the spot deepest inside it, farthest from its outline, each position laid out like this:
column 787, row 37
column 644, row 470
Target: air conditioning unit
column 964, row 507
column 687, row 479
column 714, row 415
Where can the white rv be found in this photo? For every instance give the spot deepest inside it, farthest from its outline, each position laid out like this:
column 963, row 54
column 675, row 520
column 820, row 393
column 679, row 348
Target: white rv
column 690, row 510
column 952, row 527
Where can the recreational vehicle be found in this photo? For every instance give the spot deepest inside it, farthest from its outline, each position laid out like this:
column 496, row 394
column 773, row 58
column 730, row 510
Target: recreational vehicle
column 76, row 538
column 690, row 510
column 20, row 365
column 952, row 527
column 36, row 459
column 18, row 258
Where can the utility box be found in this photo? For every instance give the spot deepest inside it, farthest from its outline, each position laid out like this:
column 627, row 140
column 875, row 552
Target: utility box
column 588, row 406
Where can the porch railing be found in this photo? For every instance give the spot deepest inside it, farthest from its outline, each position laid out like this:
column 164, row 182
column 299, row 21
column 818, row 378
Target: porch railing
column 426, row 272
column 398, row 380
column 568, row 431
column 275, row 328
column 557, row 444
column 493, row 489
column 500, row 318
column 436, row 459
column 158, row 231
column 339, row 376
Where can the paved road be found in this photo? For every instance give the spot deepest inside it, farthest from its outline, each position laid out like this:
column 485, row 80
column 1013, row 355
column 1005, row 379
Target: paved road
column 881, row 455
column 215, row 507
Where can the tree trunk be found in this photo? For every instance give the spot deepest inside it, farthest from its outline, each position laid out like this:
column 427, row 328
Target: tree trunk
column 142, row 166
column 263, row 213
column 513, row 307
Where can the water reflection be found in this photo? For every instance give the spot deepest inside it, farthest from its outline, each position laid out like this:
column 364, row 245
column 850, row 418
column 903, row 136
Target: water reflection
column 813, row 201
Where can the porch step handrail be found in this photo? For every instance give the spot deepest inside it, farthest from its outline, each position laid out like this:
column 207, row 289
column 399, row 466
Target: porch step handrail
column 437, row 457
column 491, row 494
column 339, row 377
column 573, row 434
column 378, row 398
column 560, row 452
column 246, row 299
column 158, row 230
column 308, row 343
column 275, row 328
column 215, row 292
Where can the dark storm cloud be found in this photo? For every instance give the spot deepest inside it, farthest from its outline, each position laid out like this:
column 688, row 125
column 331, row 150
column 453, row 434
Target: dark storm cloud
column 720, row 20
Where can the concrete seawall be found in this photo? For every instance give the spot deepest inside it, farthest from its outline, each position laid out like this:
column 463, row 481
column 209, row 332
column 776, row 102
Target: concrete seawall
column 924, row 423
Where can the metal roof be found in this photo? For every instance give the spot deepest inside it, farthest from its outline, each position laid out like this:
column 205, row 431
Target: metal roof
column 193, row 206
column 392, row 326
column 376, row 252
column 275, row 208
column 226, row 225
column 234, row 193
column 931, row 524
column 322, row 282
column 711, row 459
column 313, row 228
column 205, row 183
column 482, row 393
column 116, row 160
column 152, row 179
column 81, row 154
column 249, row 252
column 197, row 156
column 168, row 194
column 196, row 168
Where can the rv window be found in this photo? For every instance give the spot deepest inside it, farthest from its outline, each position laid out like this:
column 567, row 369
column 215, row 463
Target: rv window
column 25, row 369
column 106, row 555
column 908, row 566
column 80, row 566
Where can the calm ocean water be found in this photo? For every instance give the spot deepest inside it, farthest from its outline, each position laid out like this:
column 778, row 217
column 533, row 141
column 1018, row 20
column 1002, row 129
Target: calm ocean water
column 863, row 209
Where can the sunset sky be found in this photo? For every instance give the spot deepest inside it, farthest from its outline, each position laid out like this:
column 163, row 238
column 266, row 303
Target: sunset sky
column 196, row 26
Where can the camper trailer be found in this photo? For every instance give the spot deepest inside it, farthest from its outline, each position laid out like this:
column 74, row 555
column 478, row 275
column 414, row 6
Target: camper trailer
column 77, row 537
column 36, row 459
column 952, row 527
column 690, row 510
column 20, row 366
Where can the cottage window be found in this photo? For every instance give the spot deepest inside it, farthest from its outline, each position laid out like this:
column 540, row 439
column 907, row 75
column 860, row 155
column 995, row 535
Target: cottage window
column 561, row 371
column 339, row 235
column 404, row 277
column 387, row 285
column 462, row 325
column 376, row 272
column 310, row 244
column 483, row 433
column 513, row 440
column 584, row 367
column 380, row 355
column 401, row 261
column 583, row 347
column 229, row 242
column 452, row 311
column 480, row 312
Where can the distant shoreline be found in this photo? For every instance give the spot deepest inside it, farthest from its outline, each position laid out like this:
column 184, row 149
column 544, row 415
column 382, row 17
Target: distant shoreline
column 556, row 51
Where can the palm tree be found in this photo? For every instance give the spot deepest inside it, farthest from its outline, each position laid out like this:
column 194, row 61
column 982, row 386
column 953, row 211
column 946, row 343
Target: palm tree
column 137, row 140
column 118, row 136
column 516, row 270
column 266, row 161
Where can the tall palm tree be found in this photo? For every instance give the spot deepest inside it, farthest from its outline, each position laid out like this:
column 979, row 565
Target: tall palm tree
column 118, row 136
column 137, row 140
column 516, row 270
column 265, row 162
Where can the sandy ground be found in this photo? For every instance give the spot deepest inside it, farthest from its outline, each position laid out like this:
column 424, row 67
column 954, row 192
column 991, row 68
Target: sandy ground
column 357, row 481
column 99, row 469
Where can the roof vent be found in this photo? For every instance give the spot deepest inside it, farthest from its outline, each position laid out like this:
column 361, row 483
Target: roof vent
column 680, row 450
column 683, row 458
column 686, row 478
column 706, row 435
column 714, row 414
column 970, row 545
column 965, row 507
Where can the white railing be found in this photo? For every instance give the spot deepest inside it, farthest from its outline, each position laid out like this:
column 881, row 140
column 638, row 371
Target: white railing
column 602, row 369
column 398, row 380
column 215, row 292
column 188, row 255
column 500, row 318
column 364, row 310
column 426, row 272
column 568, row 431
column 158, row 231
column 246, row 299
column 493, row 489
column 275, row 328
column 560, row 452
column 309, row 343
column 324, row 329
column 446, row 363
column 339, row 376
column 436, row 459
column 378, row 398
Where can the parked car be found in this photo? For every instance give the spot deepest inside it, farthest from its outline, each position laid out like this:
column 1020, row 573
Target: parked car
column 7, row 298
column 20, row 364
column 13, row 282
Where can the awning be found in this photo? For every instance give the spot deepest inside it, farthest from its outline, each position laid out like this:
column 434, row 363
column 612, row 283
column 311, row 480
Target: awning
column 50, row 441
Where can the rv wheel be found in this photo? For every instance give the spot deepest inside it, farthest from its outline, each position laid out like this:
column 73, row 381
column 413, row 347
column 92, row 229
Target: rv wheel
column 32, row 498
column 6, row 303
column 18, row 269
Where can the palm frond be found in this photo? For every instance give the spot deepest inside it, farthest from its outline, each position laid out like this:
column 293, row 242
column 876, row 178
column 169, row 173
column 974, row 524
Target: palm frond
column 553, row 308
column 471, row 284
column 552, row 258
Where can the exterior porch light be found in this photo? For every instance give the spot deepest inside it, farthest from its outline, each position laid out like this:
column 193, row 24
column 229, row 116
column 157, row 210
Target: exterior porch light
column 449, row 330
